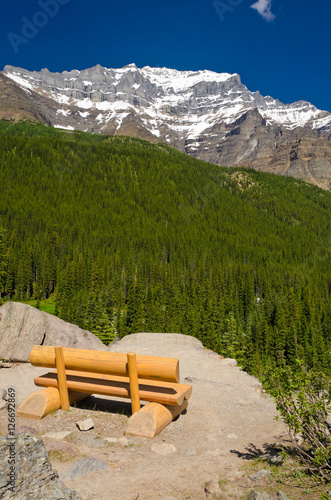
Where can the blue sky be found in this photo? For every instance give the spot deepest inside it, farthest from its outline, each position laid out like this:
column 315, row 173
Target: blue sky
column 280, row 47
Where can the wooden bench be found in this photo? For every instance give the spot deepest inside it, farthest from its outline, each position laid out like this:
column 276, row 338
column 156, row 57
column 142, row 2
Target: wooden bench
column 81, row 372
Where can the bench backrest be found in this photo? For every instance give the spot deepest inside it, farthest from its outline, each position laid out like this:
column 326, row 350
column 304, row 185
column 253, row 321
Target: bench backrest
column 113, row 363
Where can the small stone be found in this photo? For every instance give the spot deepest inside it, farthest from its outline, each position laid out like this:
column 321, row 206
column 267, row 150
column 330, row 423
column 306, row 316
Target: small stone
column 3, row 394
column 261, row 474
column 123, row 441
column 255, row 495
column 85, row 425
column 272, row 457
column 163, row 448
column 57, row 435
column 276, row 459
column 232, row 436
column 6, row 365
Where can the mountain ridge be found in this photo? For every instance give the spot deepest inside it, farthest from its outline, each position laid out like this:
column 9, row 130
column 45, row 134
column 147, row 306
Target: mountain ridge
column 211, row 116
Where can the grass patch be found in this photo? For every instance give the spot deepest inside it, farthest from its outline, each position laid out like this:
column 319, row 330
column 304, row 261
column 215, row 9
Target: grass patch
column 47, row 305
column 288, row 477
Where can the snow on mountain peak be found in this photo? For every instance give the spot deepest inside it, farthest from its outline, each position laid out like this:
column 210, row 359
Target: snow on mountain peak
column 187, row 102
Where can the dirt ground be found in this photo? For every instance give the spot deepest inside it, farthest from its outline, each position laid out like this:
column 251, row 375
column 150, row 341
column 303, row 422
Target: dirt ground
column 228, row 424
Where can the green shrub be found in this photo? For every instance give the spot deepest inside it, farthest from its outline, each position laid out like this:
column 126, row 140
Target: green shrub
column 303, row 400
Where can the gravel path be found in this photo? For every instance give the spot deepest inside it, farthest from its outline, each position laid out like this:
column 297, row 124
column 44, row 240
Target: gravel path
column 228, row 420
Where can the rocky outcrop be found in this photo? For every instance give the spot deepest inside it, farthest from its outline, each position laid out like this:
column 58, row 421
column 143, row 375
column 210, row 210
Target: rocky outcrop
column 302, row 153
column 23, row 326
column 17, row 104
column 210, row 116
column 32, row 476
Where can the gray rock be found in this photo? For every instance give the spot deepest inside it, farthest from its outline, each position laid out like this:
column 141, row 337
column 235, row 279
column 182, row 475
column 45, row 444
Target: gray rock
column 281, row 495
column 261, row 474
column 35, row 478
column 23, row 326
column 84, row 467
column 85, row 425
column 272, row 457
column 256, row 495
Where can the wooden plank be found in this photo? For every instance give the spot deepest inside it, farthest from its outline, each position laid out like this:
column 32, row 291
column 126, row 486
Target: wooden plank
column 115, row 363
column 152, row 419
column 110, row 385
column 42, row 403
column 61, row 376
column 133, row 378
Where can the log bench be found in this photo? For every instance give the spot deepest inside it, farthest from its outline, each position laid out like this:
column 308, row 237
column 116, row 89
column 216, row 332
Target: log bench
column 81, row 372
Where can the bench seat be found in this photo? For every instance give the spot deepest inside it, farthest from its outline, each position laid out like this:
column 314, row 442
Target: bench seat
column 166, row 393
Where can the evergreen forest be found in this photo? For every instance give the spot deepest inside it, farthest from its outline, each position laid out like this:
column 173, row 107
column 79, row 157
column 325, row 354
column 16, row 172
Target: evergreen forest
column 129, row 236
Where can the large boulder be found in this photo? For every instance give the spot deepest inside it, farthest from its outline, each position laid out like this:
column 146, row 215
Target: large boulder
column 32, row 477
column 23, row 326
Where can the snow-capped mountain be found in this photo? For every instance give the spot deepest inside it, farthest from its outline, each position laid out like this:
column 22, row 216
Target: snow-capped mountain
column 212, row 116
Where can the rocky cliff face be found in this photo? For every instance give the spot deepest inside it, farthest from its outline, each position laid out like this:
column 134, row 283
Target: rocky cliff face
column 208, row 115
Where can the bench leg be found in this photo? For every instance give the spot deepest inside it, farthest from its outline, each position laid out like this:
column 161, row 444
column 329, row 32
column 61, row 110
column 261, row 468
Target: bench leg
column 134, row 386
column 61, row 377
column 152, row 419
column 42, row 403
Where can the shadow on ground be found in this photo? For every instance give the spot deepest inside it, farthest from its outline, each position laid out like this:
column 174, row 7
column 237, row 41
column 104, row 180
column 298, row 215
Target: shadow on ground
column 268, row 452
column 105, row 405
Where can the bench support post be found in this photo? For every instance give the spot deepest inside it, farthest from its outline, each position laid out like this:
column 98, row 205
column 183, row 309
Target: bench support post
column 42, row 403
column 152, row 419
column 134, row 386
column 61, row 376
